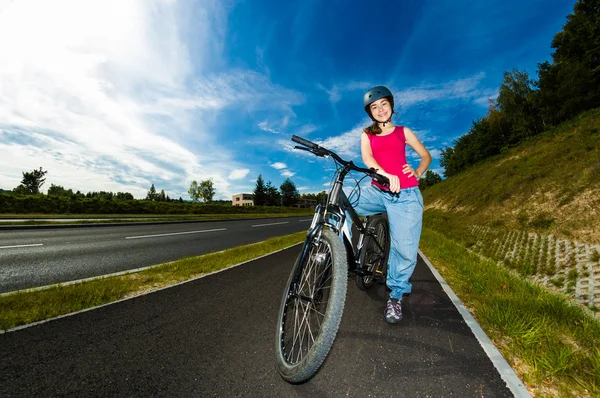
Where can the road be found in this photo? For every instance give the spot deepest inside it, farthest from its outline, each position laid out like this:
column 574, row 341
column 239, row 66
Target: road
column 31, row 257
column 214, row 337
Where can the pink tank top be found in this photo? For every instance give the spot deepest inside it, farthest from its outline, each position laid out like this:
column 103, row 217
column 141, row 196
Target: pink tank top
column 390, row 152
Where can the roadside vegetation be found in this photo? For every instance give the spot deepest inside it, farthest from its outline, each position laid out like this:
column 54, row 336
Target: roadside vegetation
column 552, row 343
column 513, row 227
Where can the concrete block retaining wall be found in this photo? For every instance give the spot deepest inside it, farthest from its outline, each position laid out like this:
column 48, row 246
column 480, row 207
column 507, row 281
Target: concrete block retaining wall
column 569, row 267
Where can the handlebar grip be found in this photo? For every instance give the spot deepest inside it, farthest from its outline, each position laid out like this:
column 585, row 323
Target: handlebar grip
column 304, row 142
column 383, row 180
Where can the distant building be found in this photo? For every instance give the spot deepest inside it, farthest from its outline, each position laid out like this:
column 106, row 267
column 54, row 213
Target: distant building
column 242, row 199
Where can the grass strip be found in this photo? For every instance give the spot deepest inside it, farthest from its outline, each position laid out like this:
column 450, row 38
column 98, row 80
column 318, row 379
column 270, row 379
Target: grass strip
column 552, row 343
column 31, row 306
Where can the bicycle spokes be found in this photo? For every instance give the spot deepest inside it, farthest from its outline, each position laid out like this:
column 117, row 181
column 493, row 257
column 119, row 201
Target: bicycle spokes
column 306, row 306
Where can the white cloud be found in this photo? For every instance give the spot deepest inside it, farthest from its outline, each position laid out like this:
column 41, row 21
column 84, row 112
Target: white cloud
column 239, row 174
column 103, row 94
column 465, row 89
column 336, row 92
column 278, row 165
column 306, row 129
column 287, row 173
column 346, row 144
column 436, row 153
column 264, row 125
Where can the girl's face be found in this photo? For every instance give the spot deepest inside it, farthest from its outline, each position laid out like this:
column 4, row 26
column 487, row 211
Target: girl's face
column 381, row 110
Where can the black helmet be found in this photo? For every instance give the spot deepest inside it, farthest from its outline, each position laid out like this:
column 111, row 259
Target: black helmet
column 377, row 93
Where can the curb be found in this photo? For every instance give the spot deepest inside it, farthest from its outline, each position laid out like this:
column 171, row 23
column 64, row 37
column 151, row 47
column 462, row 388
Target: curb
column 513, row 382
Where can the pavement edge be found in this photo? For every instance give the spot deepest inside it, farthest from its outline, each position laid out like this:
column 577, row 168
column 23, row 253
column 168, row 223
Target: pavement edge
column 507, row 373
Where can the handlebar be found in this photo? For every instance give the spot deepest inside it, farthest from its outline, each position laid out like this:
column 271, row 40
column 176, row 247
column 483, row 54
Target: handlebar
column 322, row 152
column 305, row 142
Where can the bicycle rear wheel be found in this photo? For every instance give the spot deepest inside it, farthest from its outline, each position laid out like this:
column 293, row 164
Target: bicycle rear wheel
column 311, row 308
column 374, row 253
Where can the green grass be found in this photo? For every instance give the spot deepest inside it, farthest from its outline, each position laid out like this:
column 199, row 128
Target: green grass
column 30, row 306
column 549, row 183
column 553, row 344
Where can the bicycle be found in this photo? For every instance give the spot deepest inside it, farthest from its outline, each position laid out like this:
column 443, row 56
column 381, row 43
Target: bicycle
column 313, row 301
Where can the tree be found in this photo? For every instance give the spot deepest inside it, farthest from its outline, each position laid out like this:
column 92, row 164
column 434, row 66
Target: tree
column 517, row 101
column 161, row 196
column 207, row 190
column 21, row 190
column 448, row 162
column 430, row 178
column 272, row 194
column 289, row 193
column 194, row 191
column 569, row 85
column 32, row 181
column 260, row 192
column 57, row 190
column 152, row 195
column 124, row 196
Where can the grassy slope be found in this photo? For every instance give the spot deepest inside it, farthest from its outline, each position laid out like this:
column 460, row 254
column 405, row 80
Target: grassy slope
column 550, row 183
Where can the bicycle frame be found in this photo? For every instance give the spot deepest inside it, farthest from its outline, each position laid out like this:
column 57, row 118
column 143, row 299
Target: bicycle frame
column 334, row 215
column 313, row 301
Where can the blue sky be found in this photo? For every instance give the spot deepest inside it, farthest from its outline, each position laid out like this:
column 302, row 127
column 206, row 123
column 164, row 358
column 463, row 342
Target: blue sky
column 116, row 95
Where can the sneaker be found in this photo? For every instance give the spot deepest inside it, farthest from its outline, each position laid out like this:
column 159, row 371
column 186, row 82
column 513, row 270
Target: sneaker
column 393, row 311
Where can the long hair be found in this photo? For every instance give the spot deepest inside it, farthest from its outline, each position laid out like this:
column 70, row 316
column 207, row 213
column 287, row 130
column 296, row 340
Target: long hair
column 373, row 129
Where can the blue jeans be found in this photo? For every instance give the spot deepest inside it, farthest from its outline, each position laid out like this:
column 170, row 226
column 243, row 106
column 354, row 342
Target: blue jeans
column 405, row 216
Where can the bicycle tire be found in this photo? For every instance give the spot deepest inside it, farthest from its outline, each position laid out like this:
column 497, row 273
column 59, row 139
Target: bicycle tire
column 371, row 257
column 302, row 343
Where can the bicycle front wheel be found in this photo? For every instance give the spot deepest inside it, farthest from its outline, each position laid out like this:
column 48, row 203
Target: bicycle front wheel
column 311, row 308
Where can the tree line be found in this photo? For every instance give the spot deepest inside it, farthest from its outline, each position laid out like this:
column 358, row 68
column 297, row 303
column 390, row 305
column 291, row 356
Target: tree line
column 525, row 107
column 265, row 194
column 27, row 198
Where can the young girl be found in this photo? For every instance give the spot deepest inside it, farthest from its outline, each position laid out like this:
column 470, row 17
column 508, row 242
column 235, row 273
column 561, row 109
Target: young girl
column 383, row 147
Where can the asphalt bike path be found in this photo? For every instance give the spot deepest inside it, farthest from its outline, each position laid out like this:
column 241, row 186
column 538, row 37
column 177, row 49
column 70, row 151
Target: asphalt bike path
column 214, row 337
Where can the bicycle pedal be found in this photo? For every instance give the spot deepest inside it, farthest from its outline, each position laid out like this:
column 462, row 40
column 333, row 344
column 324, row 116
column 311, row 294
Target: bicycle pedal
column 378, row 272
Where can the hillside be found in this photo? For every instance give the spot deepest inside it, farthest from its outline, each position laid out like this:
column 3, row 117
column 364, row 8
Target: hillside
column 535, row 209
column 549, row 184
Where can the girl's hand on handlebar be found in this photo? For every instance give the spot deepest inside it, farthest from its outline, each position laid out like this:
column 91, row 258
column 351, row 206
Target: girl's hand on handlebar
column 394, row 181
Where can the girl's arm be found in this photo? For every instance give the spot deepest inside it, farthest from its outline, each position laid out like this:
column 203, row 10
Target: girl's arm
column 414, row 143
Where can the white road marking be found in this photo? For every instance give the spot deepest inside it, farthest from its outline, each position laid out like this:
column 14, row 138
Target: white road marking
column 310, row 219
column 275, row 223
column 12, row 247
column 176, row 233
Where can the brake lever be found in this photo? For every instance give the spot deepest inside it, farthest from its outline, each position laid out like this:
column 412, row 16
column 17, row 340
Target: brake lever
column 383, row 180
column 322, row 152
